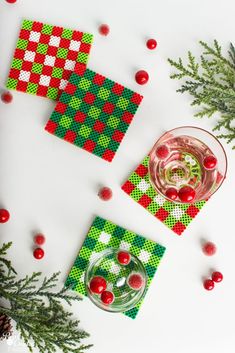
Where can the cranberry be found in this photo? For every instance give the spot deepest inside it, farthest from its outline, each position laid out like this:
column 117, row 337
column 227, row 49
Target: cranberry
column 104, row 29
column 98, row 284
column 141, row 77
column 162, row 152
column 38, row 253
column 107, row 297
column 209, row 248
column 11, row 1
column 171, row 193
column 39, row 239
column 151, row 44
column 210, row 162
column 208, row 284
column 186, row 194
column 217, row 276
column 6, row 97
column 123, row 257
column 4, row 215
column 105, row 193
column 135, row 281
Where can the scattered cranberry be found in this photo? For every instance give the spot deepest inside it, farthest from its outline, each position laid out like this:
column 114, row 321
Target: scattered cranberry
column 151, row 44
column 209, row 248
column 98, row 285
column 141, row 77
column 107, row 297
column 39, row 239
column 210, row 162
column 171, row 193
column 6, row 97
column 162, row 152
column 4, row 216
column 186, row 194
column 11, row 1
column 124, row 257
column 217, row 276
column 104, row 29
column 38, row 253
column 105, row 193
column 135, row 281
column 208, row 284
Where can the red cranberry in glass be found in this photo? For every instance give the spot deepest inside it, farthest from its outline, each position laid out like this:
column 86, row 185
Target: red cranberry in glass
column 107, row 297
column 171, row 193
column 217, row 276
column 135, row 281
column 123, row 257
column 210, row 162
column 98, row 285
column 141, row 77
column 186, row 194
column 208, row 284
column 162, row 152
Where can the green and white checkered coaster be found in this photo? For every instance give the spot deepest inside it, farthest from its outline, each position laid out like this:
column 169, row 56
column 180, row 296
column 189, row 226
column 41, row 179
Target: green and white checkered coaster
column 104, row 234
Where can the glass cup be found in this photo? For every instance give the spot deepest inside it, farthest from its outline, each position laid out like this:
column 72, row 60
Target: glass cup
column 187, row 164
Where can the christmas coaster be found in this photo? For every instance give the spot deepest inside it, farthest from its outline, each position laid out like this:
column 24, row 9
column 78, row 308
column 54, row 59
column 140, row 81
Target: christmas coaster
column 104, row 234
column 44, row 58
column 94, row 113
column 175, row 216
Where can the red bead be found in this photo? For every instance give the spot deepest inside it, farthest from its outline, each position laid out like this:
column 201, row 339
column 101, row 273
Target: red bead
column 135, row 281
column 208, row 284
column 151, row 44
column 105, row 193
column 217, row 276
column 210, row 162
column 107, row 297
column 171, row 193
column 209, row 248
column 39, row 239
column 98, row 285
column 6, row 97
column 141, row 77
column 4, row 215
column 186, row 194
column 38, row 253
column 123, row 257
column 104, row 29
column 162, row 152
column 11, row 1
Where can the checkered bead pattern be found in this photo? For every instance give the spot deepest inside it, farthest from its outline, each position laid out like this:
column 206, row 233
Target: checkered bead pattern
column 175, row 216
column 93, row 113
column 44, row 58
column 104, row 234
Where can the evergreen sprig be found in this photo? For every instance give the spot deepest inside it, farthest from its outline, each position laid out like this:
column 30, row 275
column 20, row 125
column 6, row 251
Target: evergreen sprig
column 41, row 319
column 211, row 82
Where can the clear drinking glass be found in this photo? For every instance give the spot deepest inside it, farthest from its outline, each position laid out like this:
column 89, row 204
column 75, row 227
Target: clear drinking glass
column 187, row 164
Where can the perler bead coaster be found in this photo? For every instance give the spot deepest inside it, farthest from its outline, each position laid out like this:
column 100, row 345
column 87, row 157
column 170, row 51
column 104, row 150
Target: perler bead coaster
column 104, row 234
column 44, row 58
column 175, row 216
column 94, row 113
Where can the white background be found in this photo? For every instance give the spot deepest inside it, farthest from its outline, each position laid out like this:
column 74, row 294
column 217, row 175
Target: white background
column 50, row 186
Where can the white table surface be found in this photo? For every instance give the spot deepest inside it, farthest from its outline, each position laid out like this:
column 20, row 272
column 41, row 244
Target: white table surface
column 50, row 186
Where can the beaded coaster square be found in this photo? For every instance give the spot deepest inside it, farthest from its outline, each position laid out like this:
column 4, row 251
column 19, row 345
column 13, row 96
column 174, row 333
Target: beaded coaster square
column 175, row 216
column 44, row 58
column 104, row 234
column 93, row 113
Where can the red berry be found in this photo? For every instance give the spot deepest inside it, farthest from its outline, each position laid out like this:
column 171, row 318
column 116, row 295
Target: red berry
column 98, row 285
column 107, row 297
column 141, row 77
column 105, row 193
column 186, row 194
column 209, row 248
column 217, row 276
column 6, row 97
column 104, row 29
column 151, row 44
column 11, row 1
column 4, row 215
column 135, row 281
column 171, row 193
column 162, row 152
column 210, row 162
column 123, row 257
column 38, row 253
column 208, row 284
column 39, row 239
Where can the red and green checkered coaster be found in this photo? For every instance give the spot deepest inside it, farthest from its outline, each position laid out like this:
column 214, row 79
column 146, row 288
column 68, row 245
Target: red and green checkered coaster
column 175, row 216
column 94, row 113
column 104, row 234
column 44, row 58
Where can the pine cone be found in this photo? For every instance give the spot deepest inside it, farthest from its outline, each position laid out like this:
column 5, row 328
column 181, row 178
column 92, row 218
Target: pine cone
column 5, row 327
